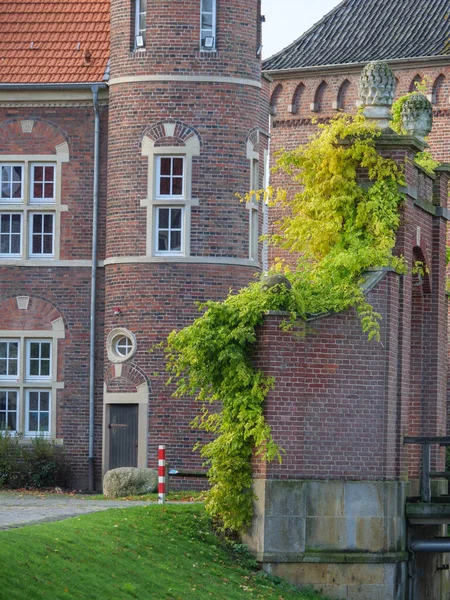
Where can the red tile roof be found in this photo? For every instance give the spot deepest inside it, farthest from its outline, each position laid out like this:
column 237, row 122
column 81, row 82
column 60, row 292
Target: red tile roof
column 53, row 41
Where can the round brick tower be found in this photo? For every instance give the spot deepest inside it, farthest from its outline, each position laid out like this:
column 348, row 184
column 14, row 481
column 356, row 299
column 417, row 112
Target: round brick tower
column 187, row 130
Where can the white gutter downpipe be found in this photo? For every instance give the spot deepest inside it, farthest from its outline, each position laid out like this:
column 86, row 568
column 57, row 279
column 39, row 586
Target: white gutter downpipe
column 93, row 288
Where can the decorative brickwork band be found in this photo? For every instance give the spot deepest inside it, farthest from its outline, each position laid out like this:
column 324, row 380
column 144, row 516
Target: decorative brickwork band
column 161, row 474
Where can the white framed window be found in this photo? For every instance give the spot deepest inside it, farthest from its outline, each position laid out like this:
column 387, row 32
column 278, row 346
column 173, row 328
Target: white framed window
column 169, row 229
column 140, row 24
column 9, row 410
column 11, row 235
column 42, row 183
column 170, row 172
column 38, row 407
column 28, row 385
column 9, row 359
column 39, row 360
column 30, row 206
column 124, row 346
column 208, row 24
column 11, row 182
column 42, row 235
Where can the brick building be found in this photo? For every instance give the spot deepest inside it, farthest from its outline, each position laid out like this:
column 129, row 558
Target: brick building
column 317, row 75
column 127, row 127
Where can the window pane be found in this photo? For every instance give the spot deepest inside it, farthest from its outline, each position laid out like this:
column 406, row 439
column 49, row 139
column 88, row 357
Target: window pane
column 38, row 173
column 48, row 223
column 163, row 241
column 3, row 349
column 38, row 190
column 45, row 350
column 176, row 218
column 13, row 349
column 45, row 401
column 34, row 349
column 45, row 368
column 16, row 221
column 49, row 173
column 177, row 186
column 175, row 241
column 207, row 21
column 44, row 422
column 2, row 400
column 17, row 173
column 4, row 244
column 6, row 190
column 34, row 367
column 34, row 400
column 4, row 223
column 2, row 420
column 164, row 186
column 37, row 223
column 48, row 190
column 207, row 5
column 17, row 190
column 48, row 245
column 12, row 400
column 166, row 166
column 36, row 246
column 178, row 166
column 12, row 421
column 6, row 172
column 163, row 218
column 33, row 421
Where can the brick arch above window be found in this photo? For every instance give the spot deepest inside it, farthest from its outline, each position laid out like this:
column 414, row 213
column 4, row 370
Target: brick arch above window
column 129, row 376
column 30, row 313
column 171, row 133
column 35, row 136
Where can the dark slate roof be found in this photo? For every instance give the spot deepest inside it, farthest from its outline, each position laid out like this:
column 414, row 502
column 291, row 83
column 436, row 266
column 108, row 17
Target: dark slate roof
column 358, row 31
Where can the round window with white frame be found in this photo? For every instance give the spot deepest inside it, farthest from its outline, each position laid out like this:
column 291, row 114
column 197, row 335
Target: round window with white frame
column 120, row 345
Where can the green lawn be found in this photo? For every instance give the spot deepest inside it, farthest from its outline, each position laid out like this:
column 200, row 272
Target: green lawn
column 155, row 552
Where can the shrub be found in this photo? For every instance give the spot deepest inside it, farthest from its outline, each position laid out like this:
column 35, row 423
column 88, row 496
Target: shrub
column 41, row 464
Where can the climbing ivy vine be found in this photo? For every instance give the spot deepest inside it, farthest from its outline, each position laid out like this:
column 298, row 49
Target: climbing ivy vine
column 338, row 229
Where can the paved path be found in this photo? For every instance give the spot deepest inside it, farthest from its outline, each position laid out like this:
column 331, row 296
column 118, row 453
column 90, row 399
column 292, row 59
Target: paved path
column 25, row 509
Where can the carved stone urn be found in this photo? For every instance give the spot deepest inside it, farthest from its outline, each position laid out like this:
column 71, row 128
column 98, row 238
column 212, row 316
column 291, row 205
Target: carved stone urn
column 417, row 115
column 376, row 92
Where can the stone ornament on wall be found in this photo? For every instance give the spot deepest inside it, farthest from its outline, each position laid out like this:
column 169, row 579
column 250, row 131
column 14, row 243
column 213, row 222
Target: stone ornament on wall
column 417, row 115
column 376, row 92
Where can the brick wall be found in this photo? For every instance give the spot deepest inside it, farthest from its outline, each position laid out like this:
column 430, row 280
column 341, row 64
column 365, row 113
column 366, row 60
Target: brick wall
column 342, row 405
column 65, row 291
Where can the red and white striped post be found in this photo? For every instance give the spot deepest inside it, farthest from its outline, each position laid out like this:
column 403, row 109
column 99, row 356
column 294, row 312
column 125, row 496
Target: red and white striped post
column 161, row 474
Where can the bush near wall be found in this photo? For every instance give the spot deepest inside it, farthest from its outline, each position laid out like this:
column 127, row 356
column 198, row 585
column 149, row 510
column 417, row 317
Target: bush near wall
column 41, row 464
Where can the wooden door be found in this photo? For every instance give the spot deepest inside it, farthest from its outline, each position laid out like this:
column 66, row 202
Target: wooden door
column 123, row 435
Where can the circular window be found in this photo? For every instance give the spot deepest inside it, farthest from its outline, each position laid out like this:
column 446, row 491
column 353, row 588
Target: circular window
column 121, row 345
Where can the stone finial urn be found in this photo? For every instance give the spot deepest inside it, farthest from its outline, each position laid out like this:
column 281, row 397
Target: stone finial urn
column 417, row 115
column 376, row 92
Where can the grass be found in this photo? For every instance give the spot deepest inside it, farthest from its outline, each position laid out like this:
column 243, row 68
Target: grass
column 155, row 552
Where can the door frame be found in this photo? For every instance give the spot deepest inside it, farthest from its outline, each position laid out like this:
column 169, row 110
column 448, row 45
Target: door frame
column 140, row 397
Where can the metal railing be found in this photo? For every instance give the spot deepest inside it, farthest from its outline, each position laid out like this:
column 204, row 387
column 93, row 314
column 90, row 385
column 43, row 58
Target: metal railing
column 427, row 474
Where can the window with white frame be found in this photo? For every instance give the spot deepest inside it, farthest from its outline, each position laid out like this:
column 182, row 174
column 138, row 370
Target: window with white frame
column 169, row 229
column 27, row 385
column 169, row 177
column 27, row 209
column 140, row 24
column 208, row 24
